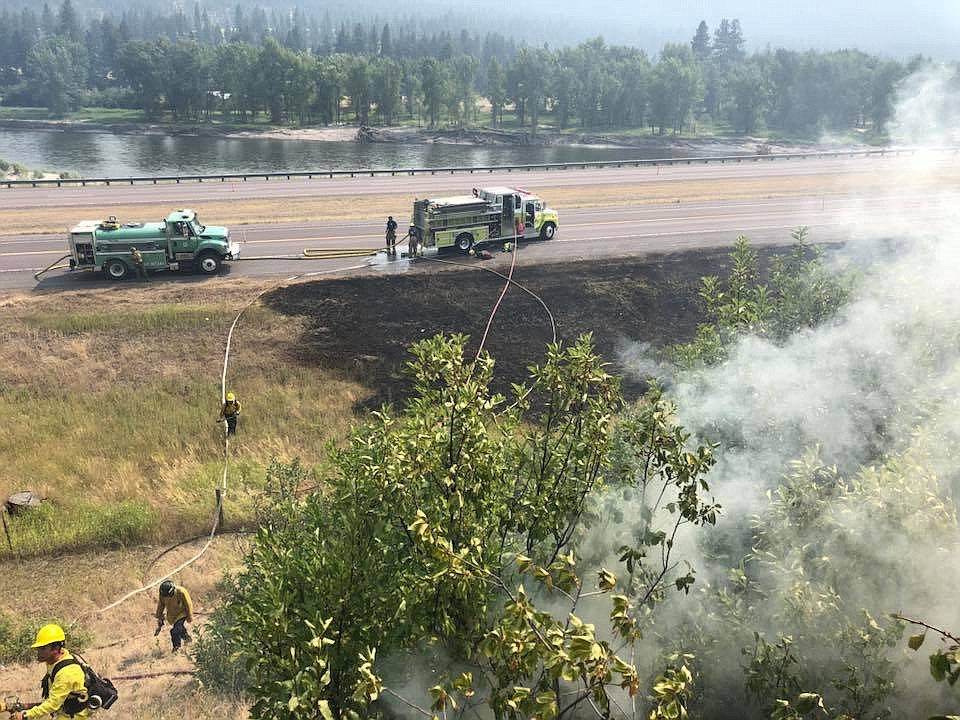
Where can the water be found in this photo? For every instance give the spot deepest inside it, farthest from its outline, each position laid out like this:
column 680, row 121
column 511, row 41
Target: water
column 97, row 154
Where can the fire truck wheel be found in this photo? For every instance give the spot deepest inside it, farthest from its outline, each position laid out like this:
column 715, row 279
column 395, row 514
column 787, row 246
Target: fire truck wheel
column 547, row 231
column 464, row 242
column 116, row 270
column 208, row 263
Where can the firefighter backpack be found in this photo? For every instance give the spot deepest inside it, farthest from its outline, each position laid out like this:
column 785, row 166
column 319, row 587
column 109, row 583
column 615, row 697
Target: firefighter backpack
column 101, row 694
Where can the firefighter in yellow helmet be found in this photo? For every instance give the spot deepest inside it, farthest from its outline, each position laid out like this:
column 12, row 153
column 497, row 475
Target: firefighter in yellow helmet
column 63, row 687
column 230, row 412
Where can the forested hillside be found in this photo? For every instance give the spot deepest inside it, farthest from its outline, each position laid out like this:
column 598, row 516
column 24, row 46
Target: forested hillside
column 298, row 68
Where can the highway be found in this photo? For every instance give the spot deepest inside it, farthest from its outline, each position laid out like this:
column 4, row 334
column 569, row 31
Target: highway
column 838, row 199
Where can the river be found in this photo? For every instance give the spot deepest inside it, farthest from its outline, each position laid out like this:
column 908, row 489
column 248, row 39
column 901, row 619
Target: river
column 101, row 154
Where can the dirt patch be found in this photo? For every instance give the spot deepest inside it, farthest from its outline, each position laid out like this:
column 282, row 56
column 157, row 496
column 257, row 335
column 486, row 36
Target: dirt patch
column 361, row 327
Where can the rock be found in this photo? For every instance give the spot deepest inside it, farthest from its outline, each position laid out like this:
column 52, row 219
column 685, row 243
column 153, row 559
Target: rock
column 22, row 501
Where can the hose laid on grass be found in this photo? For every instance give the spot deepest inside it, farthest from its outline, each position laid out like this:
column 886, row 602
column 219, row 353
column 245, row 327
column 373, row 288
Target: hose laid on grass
column 226, row 452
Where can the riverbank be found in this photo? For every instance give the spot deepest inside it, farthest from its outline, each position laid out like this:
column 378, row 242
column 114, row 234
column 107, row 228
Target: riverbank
column 405, row 134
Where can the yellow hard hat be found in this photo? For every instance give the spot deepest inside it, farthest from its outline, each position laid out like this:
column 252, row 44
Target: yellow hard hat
column 231, row 397
column 49, row 634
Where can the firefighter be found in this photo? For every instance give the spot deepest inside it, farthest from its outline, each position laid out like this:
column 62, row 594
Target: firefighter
column 137, row 259
column 67, row 691
column 230, row 412
column 414, row 249
column 176, row 605
column 391, row 236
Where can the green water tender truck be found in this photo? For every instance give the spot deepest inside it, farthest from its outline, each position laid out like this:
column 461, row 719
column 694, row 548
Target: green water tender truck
column 180, row 242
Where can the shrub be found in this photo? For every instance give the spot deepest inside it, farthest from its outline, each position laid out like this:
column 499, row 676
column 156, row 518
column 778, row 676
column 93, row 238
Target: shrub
column 17, row 634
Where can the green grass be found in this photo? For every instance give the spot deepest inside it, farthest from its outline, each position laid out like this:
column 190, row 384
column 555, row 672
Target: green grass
column 106, row 115
column 51, row 528
column 149, row 319
column 109, row 410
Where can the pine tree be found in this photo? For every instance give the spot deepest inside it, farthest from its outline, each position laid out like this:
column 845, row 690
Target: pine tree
column 701, row 43
column 386, row 42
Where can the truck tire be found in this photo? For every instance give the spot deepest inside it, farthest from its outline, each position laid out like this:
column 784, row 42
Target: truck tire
column 208, row 262
column 116, row 270
column 464, row 242
column 547, row 231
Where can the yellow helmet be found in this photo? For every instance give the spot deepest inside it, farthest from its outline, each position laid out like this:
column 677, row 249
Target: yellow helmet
column 231, row 397
column 49, row 634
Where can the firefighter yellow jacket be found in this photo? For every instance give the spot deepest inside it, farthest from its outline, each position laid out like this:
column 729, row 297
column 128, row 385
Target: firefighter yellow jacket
column 230, row 409
column 177, row 606
column 69, row 679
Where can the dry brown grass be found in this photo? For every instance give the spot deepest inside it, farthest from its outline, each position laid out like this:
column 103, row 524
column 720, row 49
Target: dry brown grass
column 54, row 218
column 122, row 639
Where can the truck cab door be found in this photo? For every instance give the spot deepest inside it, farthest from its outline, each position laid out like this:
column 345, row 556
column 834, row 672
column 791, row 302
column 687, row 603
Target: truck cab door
column 530, row 214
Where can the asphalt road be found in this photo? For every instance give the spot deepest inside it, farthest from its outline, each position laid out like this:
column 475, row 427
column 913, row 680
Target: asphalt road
column 583, row 233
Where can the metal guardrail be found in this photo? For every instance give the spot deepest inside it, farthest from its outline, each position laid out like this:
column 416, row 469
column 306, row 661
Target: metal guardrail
column 310, row 174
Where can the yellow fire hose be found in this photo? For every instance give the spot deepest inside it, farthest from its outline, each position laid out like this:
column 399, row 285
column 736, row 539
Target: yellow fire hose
column 52, row 266
column 322, row 253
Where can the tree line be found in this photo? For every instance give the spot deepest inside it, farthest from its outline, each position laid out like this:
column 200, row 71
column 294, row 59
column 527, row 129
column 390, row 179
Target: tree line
column 302, row 72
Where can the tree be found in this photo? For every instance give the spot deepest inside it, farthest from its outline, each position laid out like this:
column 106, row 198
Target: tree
column 435, row 83
column 533, row 70
column 387, row 77
column 676, row 88
column 496, row 91
column 68, row 26
column 359, row 88
column 58, row 69
column 701, row 43
column 448, row 526
column 386, row 41
column 464, row 74
column 748, row 91
column 275, row 66
column 139, row 66
column 331, row 84
column 234, row 77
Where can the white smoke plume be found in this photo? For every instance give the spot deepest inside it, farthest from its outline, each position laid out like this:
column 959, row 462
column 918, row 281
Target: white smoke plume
column 881, row 379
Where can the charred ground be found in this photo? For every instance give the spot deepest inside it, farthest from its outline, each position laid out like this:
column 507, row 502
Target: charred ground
column 362, row 327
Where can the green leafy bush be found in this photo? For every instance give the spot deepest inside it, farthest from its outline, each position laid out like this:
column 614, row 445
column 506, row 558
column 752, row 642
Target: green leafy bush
column 802, row 293
column 442, row 530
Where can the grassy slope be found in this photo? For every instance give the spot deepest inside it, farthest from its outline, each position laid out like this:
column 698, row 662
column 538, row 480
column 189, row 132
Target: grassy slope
column 111, row 415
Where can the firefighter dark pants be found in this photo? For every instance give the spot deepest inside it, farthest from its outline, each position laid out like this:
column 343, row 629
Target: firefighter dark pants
column 141, row 271
column 231, row 424
column 391, row 242
column 179, row 634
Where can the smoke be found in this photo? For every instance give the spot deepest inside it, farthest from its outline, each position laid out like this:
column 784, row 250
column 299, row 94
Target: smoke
column 874, row 392
column 928, row 107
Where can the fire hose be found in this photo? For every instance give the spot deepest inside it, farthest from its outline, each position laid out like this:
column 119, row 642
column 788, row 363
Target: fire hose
column 51, row 266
